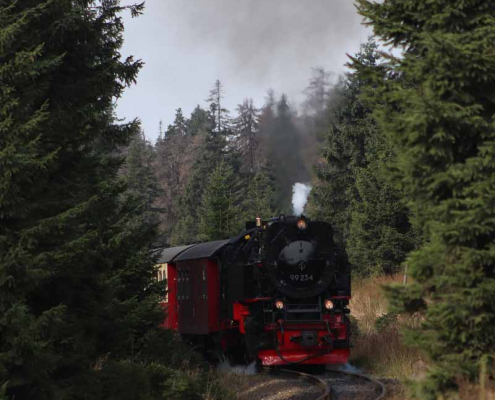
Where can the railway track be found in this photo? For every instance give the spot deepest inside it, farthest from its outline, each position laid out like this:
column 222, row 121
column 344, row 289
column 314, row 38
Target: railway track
column 335, row 389
column 314, row 380
column 372, row 390
column 289, row 384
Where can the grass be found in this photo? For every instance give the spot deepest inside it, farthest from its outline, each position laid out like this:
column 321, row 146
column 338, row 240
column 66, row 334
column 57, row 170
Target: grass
column 381, row 352
column 471, row 391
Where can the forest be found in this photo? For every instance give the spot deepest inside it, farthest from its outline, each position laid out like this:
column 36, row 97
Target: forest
column 399, row 153
column 209, row 173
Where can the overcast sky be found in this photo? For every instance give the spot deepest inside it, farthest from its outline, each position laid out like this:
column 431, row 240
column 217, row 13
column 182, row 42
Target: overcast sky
column 250, row 45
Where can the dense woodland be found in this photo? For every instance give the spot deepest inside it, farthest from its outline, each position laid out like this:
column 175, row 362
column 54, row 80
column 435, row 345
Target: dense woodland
column 400, row 152
column 209, row 173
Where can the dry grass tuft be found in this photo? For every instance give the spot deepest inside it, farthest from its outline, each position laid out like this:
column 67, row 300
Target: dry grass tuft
column 471, row 391
column 381, row 353
column 384, row 354
column 368, row 302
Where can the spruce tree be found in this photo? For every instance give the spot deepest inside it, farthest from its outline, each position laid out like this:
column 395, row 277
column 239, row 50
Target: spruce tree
column 139, row 174
column 200, row 121
column 333, row 191
column 350, row 127
column 67, row 235
column 435, row 104
column 219, row 214
column 352, row 190
column 380, row 231
column 260, row 197
column 313, row 124
column 211, row 152
column 317, row 93
column 246, row 130
column 266, row 125
column 174, row 151
column 179, row 127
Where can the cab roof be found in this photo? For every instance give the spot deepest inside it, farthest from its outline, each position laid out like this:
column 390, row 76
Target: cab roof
column 203, row 250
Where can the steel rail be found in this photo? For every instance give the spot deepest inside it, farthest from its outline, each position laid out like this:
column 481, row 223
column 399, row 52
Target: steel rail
column 383, row 389
column 314, row 380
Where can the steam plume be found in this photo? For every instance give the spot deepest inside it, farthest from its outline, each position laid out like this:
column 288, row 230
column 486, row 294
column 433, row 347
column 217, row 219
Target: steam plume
column 227, row 368
column 300, row 193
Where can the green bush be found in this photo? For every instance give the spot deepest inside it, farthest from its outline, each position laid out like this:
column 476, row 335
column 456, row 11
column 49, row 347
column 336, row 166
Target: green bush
column 385, row 321
column 162, row 344
column 164, row 368
column 125, row 380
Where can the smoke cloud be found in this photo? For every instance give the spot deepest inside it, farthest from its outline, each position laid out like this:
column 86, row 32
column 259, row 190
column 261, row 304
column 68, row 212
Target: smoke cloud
column 349, row 368
column 300, row 193
column 226, row 367
column 272, row 42
column 250, row 45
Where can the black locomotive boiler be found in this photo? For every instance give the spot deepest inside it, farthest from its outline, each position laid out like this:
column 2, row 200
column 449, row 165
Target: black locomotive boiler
column 278, row 293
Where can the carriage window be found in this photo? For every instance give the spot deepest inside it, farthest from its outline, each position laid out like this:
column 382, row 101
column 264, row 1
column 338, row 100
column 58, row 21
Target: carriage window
column 178, row 284
column 162, row 275
column 182, row 294
column 165, row 277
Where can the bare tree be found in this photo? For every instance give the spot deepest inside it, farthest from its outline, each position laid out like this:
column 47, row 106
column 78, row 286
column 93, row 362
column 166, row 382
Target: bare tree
column 220, row 113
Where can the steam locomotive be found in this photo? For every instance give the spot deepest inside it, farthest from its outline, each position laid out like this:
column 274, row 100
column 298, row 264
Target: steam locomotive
column 278, row 294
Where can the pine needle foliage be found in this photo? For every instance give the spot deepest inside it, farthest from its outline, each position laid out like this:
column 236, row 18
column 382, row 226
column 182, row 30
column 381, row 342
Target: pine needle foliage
column 220, row 209
column 380, row 231
column 381, row 234
column 352, row 191
column 260, row 198
column 350, row 127
column 435, row 104
column 71, row 240
column 213, row 152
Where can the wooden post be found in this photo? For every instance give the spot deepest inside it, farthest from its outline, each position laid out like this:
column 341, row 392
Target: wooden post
column 405, row 276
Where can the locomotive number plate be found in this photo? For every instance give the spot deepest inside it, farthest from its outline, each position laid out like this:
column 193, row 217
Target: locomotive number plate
column 301, row 278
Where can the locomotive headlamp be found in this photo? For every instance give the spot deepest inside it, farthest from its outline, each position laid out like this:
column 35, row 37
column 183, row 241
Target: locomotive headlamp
column 328, row 304
column 301, row 224
column 279, row 305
